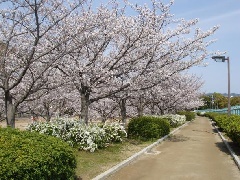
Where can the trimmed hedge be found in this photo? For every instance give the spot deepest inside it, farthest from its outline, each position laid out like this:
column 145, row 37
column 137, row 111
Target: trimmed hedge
column 228, row 124
column 189, row 115
column 148, row 127
column 27, row 155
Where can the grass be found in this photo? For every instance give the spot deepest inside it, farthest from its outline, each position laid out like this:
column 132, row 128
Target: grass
column 89, row 165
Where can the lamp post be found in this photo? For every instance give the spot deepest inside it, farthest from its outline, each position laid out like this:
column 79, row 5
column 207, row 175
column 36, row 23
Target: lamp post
column 223, row 59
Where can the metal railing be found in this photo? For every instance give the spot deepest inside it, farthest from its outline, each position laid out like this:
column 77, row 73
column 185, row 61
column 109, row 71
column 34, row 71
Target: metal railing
column 234, row 110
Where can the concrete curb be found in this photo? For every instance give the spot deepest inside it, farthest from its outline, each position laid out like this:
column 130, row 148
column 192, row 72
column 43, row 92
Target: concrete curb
column 235, row 157
column 135, row 156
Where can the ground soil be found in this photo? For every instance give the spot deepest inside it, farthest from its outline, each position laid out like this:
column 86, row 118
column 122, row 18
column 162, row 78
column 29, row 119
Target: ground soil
column 20, row 123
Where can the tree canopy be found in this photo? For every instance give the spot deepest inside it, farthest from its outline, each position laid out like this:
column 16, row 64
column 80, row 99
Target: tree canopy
column 69, row 56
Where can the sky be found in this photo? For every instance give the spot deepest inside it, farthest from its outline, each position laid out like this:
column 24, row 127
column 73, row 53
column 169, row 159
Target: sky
column 226, row 14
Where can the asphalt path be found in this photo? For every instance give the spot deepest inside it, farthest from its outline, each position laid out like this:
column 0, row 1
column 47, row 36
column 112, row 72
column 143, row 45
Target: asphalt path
column 195, row 152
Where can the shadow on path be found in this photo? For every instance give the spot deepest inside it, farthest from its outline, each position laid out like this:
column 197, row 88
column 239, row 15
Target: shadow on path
column 234, row 146
column 222, row 147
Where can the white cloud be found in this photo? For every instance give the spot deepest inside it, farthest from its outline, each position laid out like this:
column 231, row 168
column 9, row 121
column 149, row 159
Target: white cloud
column 221, row 17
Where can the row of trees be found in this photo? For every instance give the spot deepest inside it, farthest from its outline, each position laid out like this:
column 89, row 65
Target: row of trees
column 72, row 57
column 218, row 101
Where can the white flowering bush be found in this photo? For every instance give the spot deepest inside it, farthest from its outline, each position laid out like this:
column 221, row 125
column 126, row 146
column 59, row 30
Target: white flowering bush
column 202, row 113
column 175, row 120
column 115, row 131
column 85, row 137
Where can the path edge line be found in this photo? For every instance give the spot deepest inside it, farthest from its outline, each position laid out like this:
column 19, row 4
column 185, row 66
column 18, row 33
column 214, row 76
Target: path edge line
column 136, row 155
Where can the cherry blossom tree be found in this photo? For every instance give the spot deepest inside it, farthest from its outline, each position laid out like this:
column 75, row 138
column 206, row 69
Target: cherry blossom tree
column 131, row 53
column 97, row 67
column 180, row 92
column 96, row 53
column 51, row 103
column 1, row 108
column 33, row 33
column 105, row 108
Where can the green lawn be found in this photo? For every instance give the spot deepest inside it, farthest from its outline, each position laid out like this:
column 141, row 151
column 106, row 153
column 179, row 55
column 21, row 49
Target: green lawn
column 90, row 165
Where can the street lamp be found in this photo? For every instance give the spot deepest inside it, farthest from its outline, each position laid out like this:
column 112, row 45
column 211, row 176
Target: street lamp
column 223, row 59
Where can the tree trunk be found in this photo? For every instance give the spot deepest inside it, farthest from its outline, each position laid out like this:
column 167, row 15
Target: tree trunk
column 48, row 116
column 10, row 110
column 85, row 102
column 161, row 111
column 140, row 107
column 104, row 118
column 47, row 110
column 123, row 110
column 152, row 109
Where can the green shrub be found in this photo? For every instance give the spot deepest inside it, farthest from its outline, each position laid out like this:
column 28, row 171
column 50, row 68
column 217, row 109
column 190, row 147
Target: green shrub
column 189, row 115
column 219, row 119
column 146, row 127
column 233, row 128
column 211, row 115
column 27, row 155
column 228, row 124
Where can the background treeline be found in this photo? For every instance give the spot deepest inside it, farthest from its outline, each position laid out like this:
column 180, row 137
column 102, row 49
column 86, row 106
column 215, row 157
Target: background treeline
column 218, row 101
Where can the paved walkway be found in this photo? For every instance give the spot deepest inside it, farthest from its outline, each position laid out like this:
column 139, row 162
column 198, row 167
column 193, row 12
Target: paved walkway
column 194, row 152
